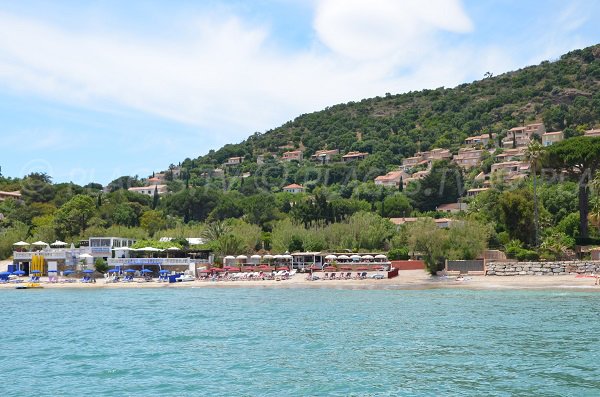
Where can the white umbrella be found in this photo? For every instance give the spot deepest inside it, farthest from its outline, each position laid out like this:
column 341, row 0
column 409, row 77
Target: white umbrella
column 21, row 244
column 278, row 256
column 268, row 256
column 368, row 257
column 173, row 249
column 287, row 257
column 123, row 249
column 331, row 257
column 355, row 257
column 150, row 249
column 257, row 256
column 229, row 257
column 59, row 243
column 344, row 257
column 241, row 257
column 85, row 256
column 39, row 243
column 380, row 256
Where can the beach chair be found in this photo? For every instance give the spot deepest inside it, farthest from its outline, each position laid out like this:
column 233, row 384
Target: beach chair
column 363, row 275
column 348, row 276
column 332, row 276
column 326, row 276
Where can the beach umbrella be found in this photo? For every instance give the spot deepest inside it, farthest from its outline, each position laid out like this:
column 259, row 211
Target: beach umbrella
column 278, row 256
column 217, row 269
column 380, row 256
column 368, row 257
column 268, row 256
column 59, row 243
column 52, row 271
column 39, row 243
column 123, row 249
column 164, row 271
column 343, row 257
column 146, row 271
column 203, row 271
column 114, row 270
column 256, row 256
column 88, row 271
column 5, row 273
column 355, row 257
column 130, row 271
column 287, row 256
column 35, row 272
column 241, row 257
column 85, row 256
column 67, row 272
column 21, row 244
column 234, row 269
column 331, row 257
column 282, row 268
column 19, row 273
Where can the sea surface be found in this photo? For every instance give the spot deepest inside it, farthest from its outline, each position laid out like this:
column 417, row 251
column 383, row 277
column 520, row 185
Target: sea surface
column 299, row 342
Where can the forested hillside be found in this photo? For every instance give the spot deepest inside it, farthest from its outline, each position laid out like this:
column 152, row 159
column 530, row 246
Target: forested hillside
column 563, row 94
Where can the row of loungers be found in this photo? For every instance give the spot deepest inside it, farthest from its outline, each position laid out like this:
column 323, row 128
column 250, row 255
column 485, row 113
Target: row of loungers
column 280, row 275
column 340, row 276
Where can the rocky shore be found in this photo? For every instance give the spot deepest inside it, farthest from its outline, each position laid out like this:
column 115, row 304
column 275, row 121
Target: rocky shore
column 542, row 268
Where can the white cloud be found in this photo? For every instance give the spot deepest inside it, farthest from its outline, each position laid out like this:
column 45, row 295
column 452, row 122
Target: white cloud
column 387, row 29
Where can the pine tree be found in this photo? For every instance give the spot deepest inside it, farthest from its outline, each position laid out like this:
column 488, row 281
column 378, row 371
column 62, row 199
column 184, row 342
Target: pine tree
column 155, row 198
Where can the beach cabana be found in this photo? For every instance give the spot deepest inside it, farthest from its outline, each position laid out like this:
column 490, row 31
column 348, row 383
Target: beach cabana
column 255, row 259
column 241, row 259
column 229, row 259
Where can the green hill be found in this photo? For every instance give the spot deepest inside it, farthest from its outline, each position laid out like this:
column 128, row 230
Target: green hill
column 563, row 94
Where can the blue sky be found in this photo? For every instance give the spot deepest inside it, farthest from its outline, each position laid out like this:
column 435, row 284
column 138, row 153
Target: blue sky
column 90, row 91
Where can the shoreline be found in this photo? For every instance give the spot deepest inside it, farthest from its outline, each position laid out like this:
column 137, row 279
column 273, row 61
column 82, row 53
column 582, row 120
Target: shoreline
column 407, row 280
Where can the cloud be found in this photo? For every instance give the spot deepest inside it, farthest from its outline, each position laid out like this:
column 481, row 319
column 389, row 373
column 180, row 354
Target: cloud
column 386, row 29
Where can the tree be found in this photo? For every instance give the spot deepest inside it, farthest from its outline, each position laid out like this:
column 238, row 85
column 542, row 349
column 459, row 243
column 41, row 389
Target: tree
column 426, row 239
column 443, row 184
column 155, row 198
column 153, row 221
column 73, row 217
column 579, row 157
column 534, row 154
column 516, row 214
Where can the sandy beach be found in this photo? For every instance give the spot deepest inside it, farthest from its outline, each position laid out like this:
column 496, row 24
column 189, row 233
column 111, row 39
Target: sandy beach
column 408, row 279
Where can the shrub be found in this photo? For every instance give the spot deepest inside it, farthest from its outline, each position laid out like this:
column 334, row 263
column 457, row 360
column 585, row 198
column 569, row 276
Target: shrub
column 398, row 254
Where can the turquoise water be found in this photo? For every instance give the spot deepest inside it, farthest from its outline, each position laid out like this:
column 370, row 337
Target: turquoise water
column 299, row 342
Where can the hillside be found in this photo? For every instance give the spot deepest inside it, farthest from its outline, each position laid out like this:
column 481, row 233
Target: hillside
column 563, row 94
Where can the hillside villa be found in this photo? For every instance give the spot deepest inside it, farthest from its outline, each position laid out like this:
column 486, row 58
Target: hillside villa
column 593, row 133
column 354, row 156
column 10, row 195
column 234, row 161
column 324, row 156
column 149, row 190
column 452, row 208
column 294, row 188
column 468, row 158
column 521, row 136
column 294, row 155
column 548, row 138
column 392, row 179
column 482, row 139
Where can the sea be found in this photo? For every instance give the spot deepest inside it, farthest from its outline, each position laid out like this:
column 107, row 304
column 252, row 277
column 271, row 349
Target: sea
column 299, row 342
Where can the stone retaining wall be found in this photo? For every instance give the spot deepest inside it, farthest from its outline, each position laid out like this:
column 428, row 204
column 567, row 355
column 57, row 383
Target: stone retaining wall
column 541, row 268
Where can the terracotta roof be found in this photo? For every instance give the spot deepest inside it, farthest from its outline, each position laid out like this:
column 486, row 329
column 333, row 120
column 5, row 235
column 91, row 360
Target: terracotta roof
column 294, row 186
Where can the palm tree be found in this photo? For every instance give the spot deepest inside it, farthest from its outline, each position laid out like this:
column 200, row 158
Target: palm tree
column 215, row 230
column 534, row 155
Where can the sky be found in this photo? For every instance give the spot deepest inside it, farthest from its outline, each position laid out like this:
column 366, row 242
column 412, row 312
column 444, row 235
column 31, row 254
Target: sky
column 93, row 90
